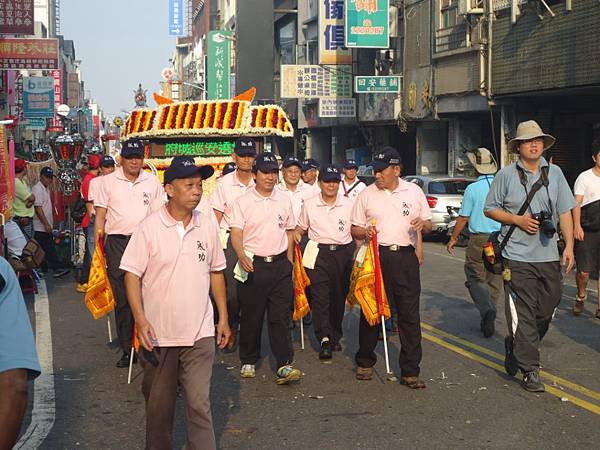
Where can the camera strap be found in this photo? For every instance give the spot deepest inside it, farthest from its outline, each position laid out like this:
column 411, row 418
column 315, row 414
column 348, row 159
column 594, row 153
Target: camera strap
column 541, row 181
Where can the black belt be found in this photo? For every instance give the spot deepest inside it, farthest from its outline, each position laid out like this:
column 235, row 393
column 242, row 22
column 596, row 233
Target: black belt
column 397, row 248
column 270, row 259
column 119, row 236
column 334, row 247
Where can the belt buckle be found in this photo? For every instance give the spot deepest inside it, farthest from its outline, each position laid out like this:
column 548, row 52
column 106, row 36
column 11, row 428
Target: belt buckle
column 393, row 248
column 268, row 259
column 333, row 247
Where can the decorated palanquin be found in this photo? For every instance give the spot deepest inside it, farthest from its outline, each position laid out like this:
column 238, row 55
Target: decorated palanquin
column 205, row 130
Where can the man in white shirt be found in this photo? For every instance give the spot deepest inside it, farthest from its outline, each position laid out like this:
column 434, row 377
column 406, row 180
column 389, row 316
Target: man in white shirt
column 44, row 219
column 586, row 220
column 351, row 186
column 293, row 186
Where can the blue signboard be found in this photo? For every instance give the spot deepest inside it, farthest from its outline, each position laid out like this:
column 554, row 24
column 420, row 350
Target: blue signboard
column 38, row 97
column 176, row 25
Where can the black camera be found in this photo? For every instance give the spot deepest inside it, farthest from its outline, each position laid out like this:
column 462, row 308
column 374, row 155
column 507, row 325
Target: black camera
column 546, row 223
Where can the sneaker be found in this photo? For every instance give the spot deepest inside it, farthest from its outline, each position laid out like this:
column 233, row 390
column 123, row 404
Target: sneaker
column 325, row 353
column 60, row 273
column 82, row 287
column 287, row 374
column 531, row 382
column 487, row 323
column 248, row 371
column 511, row 364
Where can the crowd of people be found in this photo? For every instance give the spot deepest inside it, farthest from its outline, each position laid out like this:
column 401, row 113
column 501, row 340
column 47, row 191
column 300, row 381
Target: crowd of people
column 194, row 272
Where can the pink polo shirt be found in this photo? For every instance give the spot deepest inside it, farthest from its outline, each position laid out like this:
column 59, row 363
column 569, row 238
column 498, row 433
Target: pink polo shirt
column 228, row 189
column 393, row 212
column 127, row 203
column 175, row 265
column 94, row 187
column 302, row 193
column 264, row 221
column 327, row 224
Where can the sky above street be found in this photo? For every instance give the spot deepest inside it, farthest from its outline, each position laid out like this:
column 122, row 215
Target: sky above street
column 120, row 43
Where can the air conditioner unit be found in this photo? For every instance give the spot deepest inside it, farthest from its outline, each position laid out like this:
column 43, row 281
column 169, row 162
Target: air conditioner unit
column 469, row 7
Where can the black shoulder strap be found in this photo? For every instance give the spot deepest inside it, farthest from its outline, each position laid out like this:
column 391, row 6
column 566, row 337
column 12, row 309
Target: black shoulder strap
column 541, row 181
column 353, row 186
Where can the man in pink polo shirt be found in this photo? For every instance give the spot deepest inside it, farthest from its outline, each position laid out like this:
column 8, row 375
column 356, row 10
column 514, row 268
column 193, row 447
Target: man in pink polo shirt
column 172, row 260
column 229, row 188
column 399, row 210
column 326, row 217
column 122, row 201
column 262, row 224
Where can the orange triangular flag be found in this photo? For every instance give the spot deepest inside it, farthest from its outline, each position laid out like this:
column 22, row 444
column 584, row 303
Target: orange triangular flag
column 160, row 100
column 301, row 282
column 99, row 297
column 246, row 95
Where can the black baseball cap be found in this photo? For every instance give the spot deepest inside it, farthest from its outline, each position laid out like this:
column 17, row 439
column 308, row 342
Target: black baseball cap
column 107, row 161
column 265, row 162
column 292, row 161
column 228, row 168
column 185, row 167
column 309, row 163
column 351, row 164
column 245, row 147
column 388, row 156
column 47, row 172
column 330, row 173
column 132, row 148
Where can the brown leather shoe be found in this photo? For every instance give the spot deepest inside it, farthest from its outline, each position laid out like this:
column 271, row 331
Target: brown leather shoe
column 364, row 373
column 578, row 306
column 412, row 382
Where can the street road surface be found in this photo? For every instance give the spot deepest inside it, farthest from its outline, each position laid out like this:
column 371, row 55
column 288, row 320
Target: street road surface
column 469, row 401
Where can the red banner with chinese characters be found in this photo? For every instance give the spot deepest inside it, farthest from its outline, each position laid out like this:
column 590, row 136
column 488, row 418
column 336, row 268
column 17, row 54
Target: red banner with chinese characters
column 16, row 17
column 28, row 53
column 58, row 78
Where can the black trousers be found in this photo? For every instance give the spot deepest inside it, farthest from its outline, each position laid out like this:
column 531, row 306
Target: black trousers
column 329, row 282
column 532, row 296
column 84, row 273
column 401, row 277
column 233, row 305
column 268, row 288
column 46, row 241
column 115, row 245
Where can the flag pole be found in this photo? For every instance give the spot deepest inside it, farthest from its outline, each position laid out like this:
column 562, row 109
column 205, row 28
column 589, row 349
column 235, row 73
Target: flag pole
column 109, row 329
column 379, row 294
column 302, row 332
column 130, row 364
column 385, row 345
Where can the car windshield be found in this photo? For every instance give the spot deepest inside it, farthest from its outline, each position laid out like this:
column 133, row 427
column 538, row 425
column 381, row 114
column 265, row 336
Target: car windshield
column 456, row 187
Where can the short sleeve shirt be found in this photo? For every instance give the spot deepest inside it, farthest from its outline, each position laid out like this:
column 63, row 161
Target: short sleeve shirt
column 228, row 189
column 17, row 345
column 264, row 221
column 507, row 193
column 351, row 191
column 392, row 211
column 327, row 224
column 302, row 193
column 22, row 193
column 588, row 186
column 174, row 264
column 94, row 187
column 127, row 203
column 42, row 200
column 472, row 206
column 85, row 193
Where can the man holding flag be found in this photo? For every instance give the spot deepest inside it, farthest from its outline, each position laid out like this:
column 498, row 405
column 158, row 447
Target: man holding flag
column 393, row 211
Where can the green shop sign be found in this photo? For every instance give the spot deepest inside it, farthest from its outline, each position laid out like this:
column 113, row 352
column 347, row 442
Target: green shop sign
column 218, row 65
column 223, row 148
column 367, row 23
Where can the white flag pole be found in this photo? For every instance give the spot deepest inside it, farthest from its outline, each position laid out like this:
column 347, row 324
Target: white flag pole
column 302, row 333
column 385, row 345
column 109, row 329
column 130, row 364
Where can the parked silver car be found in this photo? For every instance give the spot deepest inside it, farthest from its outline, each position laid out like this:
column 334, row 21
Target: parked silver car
column 442, row 192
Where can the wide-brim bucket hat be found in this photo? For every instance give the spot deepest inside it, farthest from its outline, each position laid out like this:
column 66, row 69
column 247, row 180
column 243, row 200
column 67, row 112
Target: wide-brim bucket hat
column 530, row 130
column 483, row 161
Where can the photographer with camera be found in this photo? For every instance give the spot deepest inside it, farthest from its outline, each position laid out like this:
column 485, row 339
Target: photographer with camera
column 531, row 198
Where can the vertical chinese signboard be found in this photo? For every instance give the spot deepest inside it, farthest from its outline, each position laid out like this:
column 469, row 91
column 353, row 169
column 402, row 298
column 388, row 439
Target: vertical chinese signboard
column 6, row 178
column 332, row 49
column 176, row 27
column 218, row 65
column 16, row 17
column 367, row 23
column 38, row 97
column 57, row 81
column 28, row 53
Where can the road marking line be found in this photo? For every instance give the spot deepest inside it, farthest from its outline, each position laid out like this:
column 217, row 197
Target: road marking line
column 548, row 376
column 554, row 391
column 44, row 407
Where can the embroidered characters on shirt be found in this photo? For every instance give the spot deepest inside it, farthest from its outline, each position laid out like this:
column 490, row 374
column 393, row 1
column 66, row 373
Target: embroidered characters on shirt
column 202, row 248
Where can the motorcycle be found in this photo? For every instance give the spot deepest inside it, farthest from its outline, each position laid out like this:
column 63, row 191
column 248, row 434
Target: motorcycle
column 463, row 237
